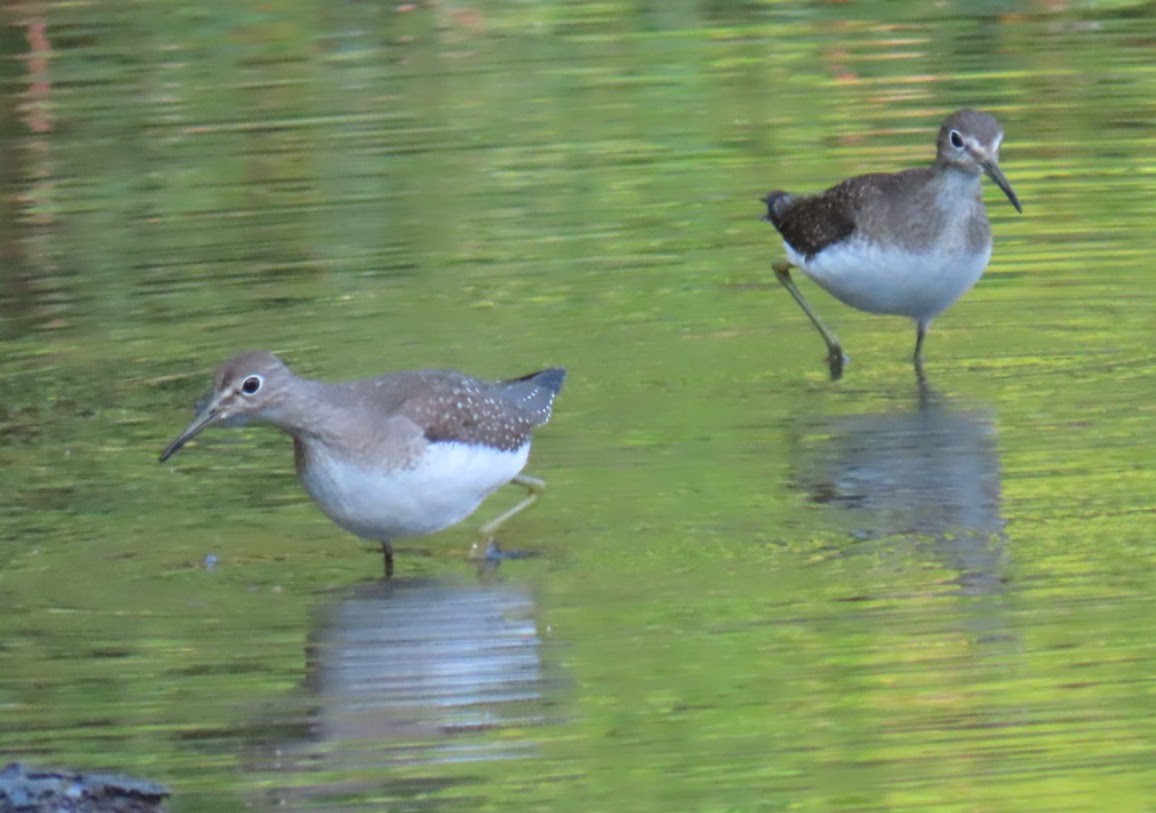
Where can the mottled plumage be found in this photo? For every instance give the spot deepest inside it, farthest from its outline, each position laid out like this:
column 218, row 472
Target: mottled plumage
column 907, row 243
column 398, row 455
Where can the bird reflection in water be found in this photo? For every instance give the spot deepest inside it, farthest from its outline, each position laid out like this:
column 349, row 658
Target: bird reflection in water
column 931, row 471
column 410, row 673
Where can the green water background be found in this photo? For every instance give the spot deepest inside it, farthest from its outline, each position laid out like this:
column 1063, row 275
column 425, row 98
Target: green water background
column 757, row 590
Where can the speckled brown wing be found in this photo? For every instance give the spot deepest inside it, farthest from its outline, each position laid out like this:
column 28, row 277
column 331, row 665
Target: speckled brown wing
column 811, row 223
column 461, row 409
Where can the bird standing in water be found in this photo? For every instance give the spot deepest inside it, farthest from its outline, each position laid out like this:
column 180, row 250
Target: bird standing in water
column 907, row 243
column 404, row 454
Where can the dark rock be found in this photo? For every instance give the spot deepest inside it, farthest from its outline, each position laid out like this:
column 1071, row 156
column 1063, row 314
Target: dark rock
column 28, row 790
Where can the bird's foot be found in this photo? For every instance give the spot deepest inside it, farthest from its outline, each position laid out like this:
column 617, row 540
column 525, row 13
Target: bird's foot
column 488, row 550
column 836, row 360
column 485, row 549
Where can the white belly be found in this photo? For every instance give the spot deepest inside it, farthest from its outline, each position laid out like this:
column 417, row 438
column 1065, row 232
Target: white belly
column 442, row 489
column 894, row 281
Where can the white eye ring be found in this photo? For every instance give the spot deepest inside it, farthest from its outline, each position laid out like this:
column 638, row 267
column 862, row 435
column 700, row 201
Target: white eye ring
column 956, row 139
column 252, row 384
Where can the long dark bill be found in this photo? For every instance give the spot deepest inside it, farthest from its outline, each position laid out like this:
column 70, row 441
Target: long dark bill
column 996, row 174
column 204, row 419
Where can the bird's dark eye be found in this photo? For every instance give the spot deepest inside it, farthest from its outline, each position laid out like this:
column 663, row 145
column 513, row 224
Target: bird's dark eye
column 251, row 385
column 956, row 139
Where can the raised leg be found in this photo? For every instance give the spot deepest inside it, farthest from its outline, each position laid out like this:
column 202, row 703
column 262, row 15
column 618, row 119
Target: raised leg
column 535, row 489
column 387, row 553
column 835, row 357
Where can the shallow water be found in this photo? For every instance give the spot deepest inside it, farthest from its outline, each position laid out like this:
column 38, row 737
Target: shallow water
column 754, row 589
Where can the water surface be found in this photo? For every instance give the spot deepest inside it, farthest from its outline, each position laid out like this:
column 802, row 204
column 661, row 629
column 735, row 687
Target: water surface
column 755, row 589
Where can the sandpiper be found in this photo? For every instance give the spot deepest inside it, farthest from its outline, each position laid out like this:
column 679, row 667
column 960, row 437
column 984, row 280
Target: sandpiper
column 908, row 243
column 404, row 454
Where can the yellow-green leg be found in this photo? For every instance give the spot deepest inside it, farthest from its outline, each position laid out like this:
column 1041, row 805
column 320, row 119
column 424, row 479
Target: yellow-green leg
column 485, row 547
column 835, row 357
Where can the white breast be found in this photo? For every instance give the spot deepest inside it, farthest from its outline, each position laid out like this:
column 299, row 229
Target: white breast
column 442, row 488
column 868, row 277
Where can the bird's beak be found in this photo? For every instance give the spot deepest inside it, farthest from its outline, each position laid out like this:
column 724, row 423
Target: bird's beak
column 996, row 174
column 207, row 415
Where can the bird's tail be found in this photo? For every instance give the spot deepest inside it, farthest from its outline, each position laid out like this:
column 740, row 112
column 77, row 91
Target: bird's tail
column 536, row 392
column 777, row 205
